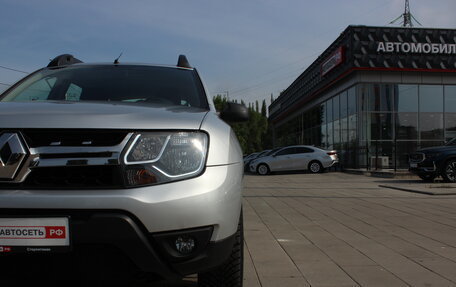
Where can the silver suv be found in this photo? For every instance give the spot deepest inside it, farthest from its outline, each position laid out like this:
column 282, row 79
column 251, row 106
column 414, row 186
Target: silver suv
column 120, row 167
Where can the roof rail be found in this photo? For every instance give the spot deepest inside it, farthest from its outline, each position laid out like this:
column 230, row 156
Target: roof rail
column 183, row 62
column 63, row 60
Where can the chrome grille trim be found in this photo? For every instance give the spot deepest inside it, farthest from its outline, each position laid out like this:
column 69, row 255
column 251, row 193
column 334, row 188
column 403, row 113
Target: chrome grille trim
column 54, row 156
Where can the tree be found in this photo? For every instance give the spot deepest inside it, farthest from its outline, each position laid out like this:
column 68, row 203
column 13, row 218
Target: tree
column 263, row 108
column 254, row 134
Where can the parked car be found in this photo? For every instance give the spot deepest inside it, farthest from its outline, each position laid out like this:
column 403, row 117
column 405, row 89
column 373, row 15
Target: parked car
column 257, row 155
column 113, row 160
column 428, row 163
column 262, row 153
column 248, row 159
column 334, row 155
column 299, row 157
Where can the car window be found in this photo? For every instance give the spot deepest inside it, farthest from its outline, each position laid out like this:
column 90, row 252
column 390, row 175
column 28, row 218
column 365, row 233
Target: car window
column 73, row 93
column 129, row 83
column 286, row 151
column 303, row 150
column 37, row 91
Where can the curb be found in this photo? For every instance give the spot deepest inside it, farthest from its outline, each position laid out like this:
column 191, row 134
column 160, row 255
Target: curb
column 415, row 190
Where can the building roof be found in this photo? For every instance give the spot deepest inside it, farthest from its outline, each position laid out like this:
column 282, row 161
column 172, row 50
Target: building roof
column 370, row 48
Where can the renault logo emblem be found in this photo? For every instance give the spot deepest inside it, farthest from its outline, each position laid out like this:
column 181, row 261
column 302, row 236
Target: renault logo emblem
column 12, row 154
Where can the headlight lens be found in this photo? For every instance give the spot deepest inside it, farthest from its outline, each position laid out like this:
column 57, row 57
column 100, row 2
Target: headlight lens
column 147, row 148
column 165, row 156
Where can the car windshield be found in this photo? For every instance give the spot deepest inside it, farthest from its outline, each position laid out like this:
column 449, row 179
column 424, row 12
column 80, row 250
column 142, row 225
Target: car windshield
column 272, row 151
column 252, row 155
column 451, row 142
column 109, row 83
column 263, row 153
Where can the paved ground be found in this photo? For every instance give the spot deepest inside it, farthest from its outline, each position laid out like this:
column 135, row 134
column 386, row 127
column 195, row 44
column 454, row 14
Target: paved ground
column 437, row 187
column 337, row 229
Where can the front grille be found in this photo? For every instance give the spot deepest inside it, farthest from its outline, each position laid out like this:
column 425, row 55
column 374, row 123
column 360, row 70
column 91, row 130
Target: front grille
column 57, row 137
column 416, row 157
column 70, row 159
column 71, row 177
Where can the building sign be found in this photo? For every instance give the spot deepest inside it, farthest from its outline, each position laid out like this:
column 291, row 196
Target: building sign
column 417, row 48
column 333, row 61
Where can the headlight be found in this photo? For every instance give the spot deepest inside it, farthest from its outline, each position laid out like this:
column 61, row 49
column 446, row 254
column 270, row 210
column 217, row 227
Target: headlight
column 165, row 156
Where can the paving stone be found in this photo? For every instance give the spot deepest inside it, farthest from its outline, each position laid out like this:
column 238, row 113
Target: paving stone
column 336, row 229
column 284, row 282
column 373, row 276
column 325, row 273
column 250, row 274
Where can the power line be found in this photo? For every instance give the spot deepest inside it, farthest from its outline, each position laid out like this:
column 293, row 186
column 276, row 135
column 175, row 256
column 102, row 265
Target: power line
column 292, row 74
column 268, row 82
column 5, row 84
column 272, row 81
column 14, row 70
column 279, row 68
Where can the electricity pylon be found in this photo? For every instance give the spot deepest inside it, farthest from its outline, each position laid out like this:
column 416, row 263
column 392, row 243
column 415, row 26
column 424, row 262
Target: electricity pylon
column 407, row 17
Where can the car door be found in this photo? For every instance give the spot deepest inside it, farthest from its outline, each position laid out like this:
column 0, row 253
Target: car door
column 282, row 160
column 302, row 157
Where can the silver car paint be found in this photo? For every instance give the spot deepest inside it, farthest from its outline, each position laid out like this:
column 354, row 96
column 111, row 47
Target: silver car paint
column 293, row 162
column 86, row 115
column 210, row 199
column 213, row 198
column 223, row 145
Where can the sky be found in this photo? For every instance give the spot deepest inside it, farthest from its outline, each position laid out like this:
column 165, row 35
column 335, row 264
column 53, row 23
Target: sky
column 245, row 49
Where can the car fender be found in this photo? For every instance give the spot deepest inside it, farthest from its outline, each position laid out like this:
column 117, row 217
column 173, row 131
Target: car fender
column 224, row 147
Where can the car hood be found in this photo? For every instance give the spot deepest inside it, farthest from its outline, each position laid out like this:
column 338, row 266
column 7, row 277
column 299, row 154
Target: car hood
column 98, row 116
column 437, row 149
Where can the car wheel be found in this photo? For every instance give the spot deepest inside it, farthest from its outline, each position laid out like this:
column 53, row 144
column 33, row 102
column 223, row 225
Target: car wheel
column 426, row 176
column 315, row 167
column 263, row 169
column 449, row 171
column 230, row 274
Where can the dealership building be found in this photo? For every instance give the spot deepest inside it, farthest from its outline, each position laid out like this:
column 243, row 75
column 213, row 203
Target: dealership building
column 375, row 95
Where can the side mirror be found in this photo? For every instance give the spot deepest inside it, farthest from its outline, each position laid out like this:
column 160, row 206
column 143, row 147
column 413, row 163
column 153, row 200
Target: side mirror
column 234, row 112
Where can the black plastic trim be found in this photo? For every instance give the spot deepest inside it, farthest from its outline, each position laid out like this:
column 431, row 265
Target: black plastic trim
column 124, row 231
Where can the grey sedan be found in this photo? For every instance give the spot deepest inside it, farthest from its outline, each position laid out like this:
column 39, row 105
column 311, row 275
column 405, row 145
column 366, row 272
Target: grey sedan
column 297, row 157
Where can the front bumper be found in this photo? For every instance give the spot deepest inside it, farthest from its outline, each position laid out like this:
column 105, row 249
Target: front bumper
column 212, row 199
column 426, row 167
column 136, row 220
column 150, row 252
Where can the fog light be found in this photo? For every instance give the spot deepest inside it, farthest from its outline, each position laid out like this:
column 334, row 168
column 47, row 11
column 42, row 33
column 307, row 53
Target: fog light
column 185, row 245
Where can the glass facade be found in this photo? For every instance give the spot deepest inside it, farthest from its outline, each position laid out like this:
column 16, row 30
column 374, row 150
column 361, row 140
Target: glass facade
column 376, row 126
